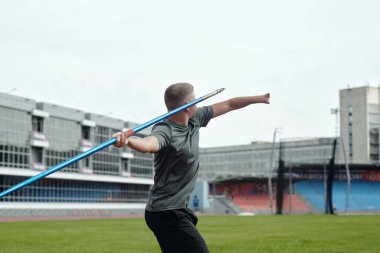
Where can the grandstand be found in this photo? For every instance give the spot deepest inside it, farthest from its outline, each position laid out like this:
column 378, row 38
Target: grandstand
column 307, row 196
column 364, row 195
column 303, row 184
column 253, row 196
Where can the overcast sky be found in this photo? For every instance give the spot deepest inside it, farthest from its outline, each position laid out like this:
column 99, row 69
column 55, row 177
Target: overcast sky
column 117, row 58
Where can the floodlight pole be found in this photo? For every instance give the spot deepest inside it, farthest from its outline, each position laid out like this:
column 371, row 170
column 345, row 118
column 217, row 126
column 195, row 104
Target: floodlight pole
column 348, row 176
column 337, row 113
column 271, row 171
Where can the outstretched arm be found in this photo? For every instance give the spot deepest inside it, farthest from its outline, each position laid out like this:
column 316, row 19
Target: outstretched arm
column 237, row 103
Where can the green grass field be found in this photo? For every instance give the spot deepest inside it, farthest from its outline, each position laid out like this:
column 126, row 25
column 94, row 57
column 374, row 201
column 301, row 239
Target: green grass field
column 232, row 234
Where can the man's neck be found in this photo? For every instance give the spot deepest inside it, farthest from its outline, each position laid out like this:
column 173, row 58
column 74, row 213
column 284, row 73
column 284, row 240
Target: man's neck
column 180, row 119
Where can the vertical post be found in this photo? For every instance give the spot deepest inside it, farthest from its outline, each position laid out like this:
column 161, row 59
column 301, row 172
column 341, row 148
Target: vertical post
column 213, row 195
column 280, row 183
column 290, row 188
column 348, row 177
column 345, row 153
column 330, row 181
column 337, row 113
column 325, row 185
column 270, row 173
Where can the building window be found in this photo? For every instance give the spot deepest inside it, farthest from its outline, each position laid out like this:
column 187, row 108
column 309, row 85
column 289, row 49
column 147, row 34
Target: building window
column 37, row 124
column 37, row 155
column 86, row 133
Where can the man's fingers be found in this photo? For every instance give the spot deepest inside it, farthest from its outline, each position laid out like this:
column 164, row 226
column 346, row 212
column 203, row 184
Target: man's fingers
column 121, row 139
column 267, row 98
column 124, row 138
column 118, row 139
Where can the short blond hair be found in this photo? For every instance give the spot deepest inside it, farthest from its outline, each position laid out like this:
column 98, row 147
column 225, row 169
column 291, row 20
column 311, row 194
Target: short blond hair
column 176, row 94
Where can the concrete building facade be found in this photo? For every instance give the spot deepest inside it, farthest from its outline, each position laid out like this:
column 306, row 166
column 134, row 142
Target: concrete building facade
column 37, row 135
column 254, row 160
column 359, row 123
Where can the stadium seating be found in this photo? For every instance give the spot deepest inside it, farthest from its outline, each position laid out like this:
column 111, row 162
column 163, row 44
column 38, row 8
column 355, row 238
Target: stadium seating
column 309, row 196
column 252, row 203
column 254, row 197
column 364, row 195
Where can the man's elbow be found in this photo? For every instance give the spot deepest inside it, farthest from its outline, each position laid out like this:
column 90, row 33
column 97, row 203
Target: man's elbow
column 147, row 148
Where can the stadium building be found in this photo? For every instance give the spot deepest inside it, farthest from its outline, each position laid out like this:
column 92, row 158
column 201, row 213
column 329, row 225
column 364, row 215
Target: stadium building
column 35, row 136
column 360, row 123
column 293, row 176
column 254, row 159
column 242, row 175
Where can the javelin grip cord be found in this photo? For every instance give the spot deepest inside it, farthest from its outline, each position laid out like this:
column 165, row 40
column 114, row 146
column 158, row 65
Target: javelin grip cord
column 104, row 145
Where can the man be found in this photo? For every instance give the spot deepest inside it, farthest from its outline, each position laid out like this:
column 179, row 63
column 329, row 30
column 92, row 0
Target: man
column 196, row 203
column 174, row 142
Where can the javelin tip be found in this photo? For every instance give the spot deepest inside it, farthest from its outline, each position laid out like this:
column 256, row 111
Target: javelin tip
column 212, row 93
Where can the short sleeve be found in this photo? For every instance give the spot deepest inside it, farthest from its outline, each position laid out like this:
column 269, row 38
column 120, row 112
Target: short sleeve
column 162, row 131
column 204, row 115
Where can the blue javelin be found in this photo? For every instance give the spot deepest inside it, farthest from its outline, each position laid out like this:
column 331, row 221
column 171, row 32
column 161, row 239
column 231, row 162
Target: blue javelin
column 103, row 145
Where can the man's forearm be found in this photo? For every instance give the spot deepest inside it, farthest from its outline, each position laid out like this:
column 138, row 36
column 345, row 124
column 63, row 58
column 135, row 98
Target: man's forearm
column 143, row 145
column 237, row 103
column 240, row 102
column 137, row 144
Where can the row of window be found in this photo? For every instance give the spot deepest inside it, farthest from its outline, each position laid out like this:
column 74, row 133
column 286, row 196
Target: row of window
column 64, row 138
column 301, row 154
column 56, row 157
column 14, row 157
column 102, row 163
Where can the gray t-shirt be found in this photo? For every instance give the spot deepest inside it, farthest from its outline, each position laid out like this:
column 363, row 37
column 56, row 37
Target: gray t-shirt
column 177, row 163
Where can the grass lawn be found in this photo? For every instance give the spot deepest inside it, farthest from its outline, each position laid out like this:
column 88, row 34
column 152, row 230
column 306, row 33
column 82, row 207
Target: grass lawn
column 232, row 234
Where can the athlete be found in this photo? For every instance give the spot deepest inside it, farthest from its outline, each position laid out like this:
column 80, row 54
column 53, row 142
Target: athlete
column 175, row 145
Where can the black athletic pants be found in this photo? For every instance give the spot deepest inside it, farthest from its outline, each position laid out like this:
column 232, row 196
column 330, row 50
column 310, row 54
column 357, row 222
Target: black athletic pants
column 175, row 231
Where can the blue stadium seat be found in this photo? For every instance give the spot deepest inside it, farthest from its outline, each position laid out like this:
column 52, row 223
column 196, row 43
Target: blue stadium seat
column 364, row 195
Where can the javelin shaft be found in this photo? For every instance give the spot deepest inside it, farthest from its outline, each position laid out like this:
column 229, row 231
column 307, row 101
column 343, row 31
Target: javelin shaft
column 103, row 145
